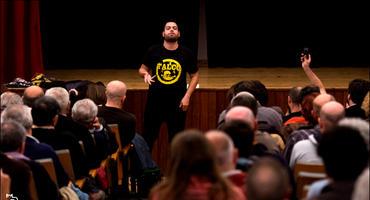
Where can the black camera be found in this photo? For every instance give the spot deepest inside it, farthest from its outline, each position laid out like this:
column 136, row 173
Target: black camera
column 306, row 52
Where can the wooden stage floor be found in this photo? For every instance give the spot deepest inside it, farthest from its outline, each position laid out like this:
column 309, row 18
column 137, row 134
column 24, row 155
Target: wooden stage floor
column 221, row 78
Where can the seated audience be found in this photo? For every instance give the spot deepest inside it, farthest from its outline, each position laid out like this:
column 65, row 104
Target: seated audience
column 193, row 172
column 13, row 137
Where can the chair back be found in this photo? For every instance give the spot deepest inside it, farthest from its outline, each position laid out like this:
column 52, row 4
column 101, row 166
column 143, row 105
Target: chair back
column 305, row 174
column 48, row 164
column 66, row 161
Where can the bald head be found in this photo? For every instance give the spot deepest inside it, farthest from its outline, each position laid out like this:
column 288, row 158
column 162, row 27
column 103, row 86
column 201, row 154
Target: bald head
column 32, row 93
column 319, row 101
column 224, row 147
column 115, row 92
column 331, row 113
column 241, row 113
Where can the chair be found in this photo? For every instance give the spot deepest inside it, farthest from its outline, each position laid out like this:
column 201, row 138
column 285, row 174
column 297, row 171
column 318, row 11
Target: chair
column 32, row 188
column 66, row 161
column 305, row 174
column 48, row 164
column 120, row 155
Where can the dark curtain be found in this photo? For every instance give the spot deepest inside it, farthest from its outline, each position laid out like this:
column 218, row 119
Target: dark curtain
column 20, row 39
column 273, row 33
column 110, row 34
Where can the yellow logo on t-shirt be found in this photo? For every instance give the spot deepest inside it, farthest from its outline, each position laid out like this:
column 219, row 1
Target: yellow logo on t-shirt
column 168, row 71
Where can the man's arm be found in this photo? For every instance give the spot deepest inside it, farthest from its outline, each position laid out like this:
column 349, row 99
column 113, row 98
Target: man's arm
column 314, row 79
column 194, row 79
column 144, row 72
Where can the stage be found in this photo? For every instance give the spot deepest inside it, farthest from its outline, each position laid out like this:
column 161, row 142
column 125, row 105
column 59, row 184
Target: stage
column 209, row 99
column 222, row 78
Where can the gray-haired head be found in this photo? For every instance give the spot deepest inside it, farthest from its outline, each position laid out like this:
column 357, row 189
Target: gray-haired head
column 245, row 99
column 19, row 113
column 12, row 136
column 10, row 98
column 61, row 95
column 84, row 111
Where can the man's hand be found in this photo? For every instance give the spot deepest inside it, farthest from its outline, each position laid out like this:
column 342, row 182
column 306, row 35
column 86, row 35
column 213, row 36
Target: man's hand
column 149, row 79
column 184, row 104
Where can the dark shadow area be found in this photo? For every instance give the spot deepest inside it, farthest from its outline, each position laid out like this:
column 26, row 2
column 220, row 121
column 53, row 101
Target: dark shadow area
column 272, row 33
column 110, row 34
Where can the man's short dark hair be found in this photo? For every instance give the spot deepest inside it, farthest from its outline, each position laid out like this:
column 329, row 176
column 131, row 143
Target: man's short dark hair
column 44, row 110
column 357, row 89
column 310, row 89
column 241, row 134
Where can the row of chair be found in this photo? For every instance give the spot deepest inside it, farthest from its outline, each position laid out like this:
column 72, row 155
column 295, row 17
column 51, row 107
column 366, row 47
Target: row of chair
column 114, row 165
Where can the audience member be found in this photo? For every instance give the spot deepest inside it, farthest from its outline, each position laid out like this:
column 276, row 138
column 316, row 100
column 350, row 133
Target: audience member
column 311, row 103
column 85, row 113
column 13, row 137
column 45, row 115
column 33, row 148
column 193, row 172
column 358, row 124
column 112, row 112
column 226, row 156
column 32, row 93
column 357, row 90
column 268, row 180
column 345, row 156
column 10, row 98
column 294, row 114
column 246, row 115
column 305, row 151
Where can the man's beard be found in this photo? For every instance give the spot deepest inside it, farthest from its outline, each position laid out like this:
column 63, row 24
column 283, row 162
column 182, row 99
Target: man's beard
column 170, row 39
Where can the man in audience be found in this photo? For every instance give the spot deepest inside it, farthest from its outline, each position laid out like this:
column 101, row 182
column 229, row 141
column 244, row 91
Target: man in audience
column 227, row 156
column 85, row 113
column 311, row 105
column 345, row 156
column 10, row 98
column 13, row 137
column 245, row 114
column 33, row 148
column 45, row 115
column 305, row 151
column 268, row 179
column 112, row 112
column 294, row 108
column 357, row 90
column 19, row 173
column 32, row 93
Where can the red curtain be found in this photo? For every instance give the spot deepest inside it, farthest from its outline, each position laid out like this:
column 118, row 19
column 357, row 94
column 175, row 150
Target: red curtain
column 20, row 40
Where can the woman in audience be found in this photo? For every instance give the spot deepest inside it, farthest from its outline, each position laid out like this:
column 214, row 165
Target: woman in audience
column 193, row 172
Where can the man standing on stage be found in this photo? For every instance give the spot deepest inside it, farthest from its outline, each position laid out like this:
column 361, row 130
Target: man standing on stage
column 164, row 68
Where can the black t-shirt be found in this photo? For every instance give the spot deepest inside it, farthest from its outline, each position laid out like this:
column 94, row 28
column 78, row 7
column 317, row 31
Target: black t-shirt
column 169, row 66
